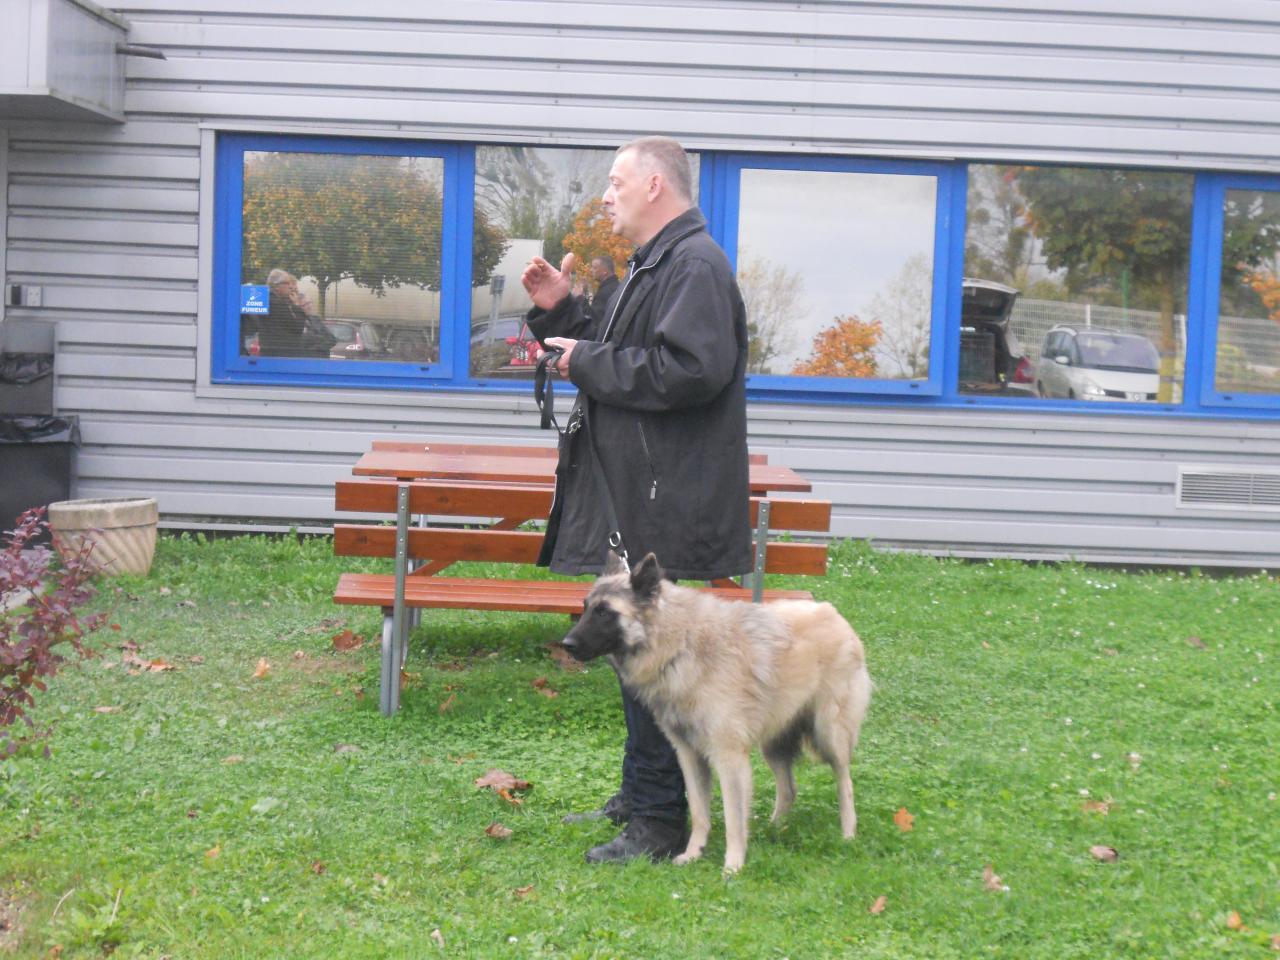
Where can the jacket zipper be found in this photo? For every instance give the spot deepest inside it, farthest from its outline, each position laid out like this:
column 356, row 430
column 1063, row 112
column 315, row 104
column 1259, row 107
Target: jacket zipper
column 653, row 474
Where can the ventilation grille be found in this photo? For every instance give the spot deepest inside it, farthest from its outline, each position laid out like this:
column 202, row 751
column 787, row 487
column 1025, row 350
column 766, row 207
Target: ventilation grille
column 1217, row 488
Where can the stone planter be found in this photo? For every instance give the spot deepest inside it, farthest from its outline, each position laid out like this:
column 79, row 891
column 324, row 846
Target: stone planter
column 123, row 531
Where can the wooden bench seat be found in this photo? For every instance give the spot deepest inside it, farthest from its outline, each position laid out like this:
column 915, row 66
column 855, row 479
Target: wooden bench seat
column 479, row 521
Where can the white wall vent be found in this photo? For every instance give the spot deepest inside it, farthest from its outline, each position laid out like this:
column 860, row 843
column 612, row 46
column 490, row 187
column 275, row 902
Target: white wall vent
column 1228, row 488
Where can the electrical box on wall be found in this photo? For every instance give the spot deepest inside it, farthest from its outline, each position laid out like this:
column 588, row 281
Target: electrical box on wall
column 23, row 295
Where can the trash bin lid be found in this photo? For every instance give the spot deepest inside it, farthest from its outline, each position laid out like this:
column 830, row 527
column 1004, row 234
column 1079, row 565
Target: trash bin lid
column 25, row 430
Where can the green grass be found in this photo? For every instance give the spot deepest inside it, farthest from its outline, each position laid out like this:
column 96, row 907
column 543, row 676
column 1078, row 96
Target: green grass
column 1005, row 692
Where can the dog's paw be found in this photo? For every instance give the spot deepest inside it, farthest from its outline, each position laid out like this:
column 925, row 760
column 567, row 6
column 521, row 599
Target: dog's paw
column 686, row 857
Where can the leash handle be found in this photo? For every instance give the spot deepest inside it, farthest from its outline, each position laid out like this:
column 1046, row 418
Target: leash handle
column 544, row 391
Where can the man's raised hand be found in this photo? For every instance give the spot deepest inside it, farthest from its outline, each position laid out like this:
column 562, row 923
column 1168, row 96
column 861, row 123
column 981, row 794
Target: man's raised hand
column 546, row 285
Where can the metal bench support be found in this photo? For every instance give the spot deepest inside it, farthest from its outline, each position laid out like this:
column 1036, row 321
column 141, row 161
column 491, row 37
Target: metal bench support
column 395, row 639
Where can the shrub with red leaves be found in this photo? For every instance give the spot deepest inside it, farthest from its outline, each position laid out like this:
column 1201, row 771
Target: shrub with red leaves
column 32, row 632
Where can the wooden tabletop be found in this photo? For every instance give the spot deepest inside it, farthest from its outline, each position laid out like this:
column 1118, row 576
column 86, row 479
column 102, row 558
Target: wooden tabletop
column 401, row 460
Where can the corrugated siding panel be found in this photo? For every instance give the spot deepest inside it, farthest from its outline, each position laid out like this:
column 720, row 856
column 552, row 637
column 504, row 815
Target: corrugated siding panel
column 106, row 219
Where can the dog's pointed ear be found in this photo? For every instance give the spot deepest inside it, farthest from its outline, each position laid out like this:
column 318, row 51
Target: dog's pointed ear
column 614, row 564
column 647, row 577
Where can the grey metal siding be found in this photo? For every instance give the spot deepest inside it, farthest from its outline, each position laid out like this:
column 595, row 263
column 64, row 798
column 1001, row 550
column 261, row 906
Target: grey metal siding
column 112, row 223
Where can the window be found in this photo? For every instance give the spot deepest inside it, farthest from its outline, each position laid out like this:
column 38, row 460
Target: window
column 1242, row 292
column 844, row 270
column 1088, row 249
column 336, row 260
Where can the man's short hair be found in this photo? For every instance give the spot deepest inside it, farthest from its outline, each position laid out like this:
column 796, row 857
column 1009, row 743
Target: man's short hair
column 606, row 262
column 665, row 156
column 279, row 276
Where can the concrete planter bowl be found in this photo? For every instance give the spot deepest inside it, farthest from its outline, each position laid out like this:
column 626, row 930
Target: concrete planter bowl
column 123, row 531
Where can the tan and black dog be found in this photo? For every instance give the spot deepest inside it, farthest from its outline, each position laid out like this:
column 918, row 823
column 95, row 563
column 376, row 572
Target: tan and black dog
column 722, row 676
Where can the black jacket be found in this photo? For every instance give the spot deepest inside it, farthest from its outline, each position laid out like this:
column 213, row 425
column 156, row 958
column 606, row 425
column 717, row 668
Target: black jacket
column 289, row 331
column 604, row 293
column 665, row 402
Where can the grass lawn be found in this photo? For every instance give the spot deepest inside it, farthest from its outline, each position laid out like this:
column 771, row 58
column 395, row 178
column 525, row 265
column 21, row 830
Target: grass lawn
column 1023, row 715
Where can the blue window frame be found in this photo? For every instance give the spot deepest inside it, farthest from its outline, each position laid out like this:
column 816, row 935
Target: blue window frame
column 232, row 361
column 1236, row 245
column 811, row 216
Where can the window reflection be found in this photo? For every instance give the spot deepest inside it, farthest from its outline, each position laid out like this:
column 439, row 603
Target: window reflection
column 348, row 246
column 1248, row 353
column 836, row 269
column 1086, row 250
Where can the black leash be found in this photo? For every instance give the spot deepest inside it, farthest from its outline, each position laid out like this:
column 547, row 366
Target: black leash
column 544, row 396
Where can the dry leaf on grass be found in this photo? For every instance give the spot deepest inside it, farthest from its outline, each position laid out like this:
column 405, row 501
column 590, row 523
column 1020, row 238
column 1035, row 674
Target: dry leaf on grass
column 317, row 867
column 503, row 783
column 1135, row 760
column 106, row 709
column 438, row 937
column 299, row 655
column 524, row 891
column 1275, row 942
column 1104, row 853
column 345, row 748
column 1234, row 922
column 195, row 658
column 562, row 659
column 1096, row 806
column 497, row 831
column 214, row 852
column 448, row 703
column 878, row 906
column 904, row 820
column 346, row 640
column 234, row 758
column 543, row 686
column 991, row 880
column 1196, row 642
column 263, row 669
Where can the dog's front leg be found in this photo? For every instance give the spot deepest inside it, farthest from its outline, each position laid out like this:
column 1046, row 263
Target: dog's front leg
column 734, row 771
column 697, row 784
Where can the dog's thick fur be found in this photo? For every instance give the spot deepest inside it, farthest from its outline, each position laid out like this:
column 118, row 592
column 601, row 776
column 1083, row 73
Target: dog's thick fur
column 721, row 676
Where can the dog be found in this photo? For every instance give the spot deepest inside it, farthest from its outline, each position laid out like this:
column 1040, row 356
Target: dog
column 722, row 676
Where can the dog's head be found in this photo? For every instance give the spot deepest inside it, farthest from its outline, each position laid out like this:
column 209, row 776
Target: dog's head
column 612, row 621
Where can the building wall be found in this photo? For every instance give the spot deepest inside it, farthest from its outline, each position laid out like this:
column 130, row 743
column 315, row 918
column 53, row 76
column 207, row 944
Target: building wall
column 108, row 220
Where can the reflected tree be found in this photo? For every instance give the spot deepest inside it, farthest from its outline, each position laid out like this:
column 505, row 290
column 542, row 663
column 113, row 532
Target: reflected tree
column 844, row 349
column 591, row 235
column 904, row 311
column 774, row 298
column 374, row 219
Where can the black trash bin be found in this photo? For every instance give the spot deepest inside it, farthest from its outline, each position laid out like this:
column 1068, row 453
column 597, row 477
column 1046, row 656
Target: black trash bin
column 37, row 463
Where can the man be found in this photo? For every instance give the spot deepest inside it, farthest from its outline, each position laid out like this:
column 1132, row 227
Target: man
column 289, row 329
column 605, row 274
column 659, row 428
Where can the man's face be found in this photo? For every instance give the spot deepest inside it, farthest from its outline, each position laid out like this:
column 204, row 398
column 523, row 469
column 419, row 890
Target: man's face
column 626, row 199
column 599, row 271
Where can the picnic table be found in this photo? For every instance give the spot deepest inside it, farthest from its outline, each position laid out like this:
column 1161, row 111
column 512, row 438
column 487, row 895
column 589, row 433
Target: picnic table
column 471, row 501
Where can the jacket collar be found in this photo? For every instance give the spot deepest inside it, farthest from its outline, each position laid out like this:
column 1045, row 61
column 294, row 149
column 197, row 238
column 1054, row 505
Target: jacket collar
column 689, row 222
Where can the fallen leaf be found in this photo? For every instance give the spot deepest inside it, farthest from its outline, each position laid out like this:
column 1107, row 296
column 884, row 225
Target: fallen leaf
column 1096, row 806
column 544, row 687
column 1234, row 922
column 904, row 820
column 165, row 591
column 438, row 937
column 985, row 645
column 448, row 704
column 501, row 780
column 265, row 805
column 562, row 659
column 359, row 692
column 345, row 748
column 317, row 867
column 346, row 640
column 263, row 669
column 1196, row 642
column 510, row 797
column 130, row 646
column 106, row 709
column 497, row 831
column 1275, row 942
column 878, row 906
column 193, row 814
column 186, row 603
column 408, row 679
column 214, row 852
column 1103, row 853
column 1135, row 759
column 991, row 880
column 524, row 891
column 159, row 666
column 234, row 758
column 115, row 627
column 381, row 880
column 299, row 655
column 196, row 659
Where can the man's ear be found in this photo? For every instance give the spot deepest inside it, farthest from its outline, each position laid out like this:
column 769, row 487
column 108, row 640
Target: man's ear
column 646, row 578
column 614, row 565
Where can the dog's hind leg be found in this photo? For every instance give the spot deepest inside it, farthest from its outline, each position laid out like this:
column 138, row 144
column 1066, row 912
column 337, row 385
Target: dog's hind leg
column 734, row 771
column 834, row 743
column 781, row 756
column 697, row 784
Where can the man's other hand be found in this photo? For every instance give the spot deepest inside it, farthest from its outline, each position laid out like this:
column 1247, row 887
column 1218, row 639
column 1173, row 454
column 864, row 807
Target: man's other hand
column 565, row 345
column 545, row 285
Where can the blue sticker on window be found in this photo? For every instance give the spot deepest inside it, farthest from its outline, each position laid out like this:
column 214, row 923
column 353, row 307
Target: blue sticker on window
column 254, row 298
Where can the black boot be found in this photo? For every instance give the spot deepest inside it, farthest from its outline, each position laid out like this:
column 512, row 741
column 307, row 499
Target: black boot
column 642, row 837
column 617, row 808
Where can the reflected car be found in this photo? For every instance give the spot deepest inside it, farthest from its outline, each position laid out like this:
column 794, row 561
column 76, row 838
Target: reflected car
column 992, row 360
column 356, row 340
column 1095, row 363
column 506, row 349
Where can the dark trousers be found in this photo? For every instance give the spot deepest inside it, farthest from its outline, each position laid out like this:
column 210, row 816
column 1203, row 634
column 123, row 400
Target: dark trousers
column 651, row 776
